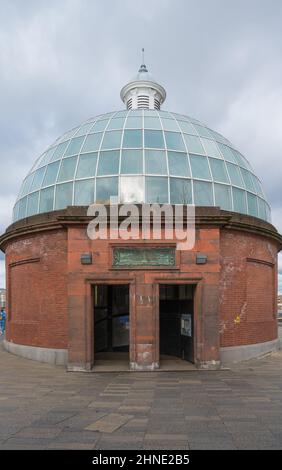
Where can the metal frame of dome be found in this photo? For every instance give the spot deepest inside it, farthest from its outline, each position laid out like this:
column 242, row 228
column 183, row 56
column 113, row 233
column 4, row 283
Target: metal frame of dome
column 153, row 152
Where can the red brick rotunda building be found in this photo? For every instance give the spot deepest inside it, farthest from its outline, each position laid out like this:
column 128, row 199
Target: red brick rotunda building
column 73, row 300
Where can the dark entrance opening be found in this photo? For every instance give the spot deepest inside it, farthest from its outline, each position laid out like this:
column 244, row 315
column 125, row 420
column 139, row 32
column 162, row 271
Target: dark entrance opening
column 111, row 318
column 177, row 321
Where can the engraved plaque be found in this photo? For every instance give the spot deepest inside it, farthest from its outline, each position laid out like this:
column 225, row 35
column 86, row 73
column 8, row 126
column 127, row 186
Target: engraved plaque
column 127, row 257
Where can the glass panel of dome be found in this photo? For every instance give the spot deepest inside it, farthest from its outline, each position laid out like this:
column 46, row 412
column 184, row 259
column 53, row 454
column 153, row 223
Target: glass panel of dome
column 203, row 193
column 203, row 131
column 154, row 139
column 241, row 160
column 235, row 174
column 134, row 122
column 106, row 188
column 222, row 194
column 239, row 200
column 252, row 205
column 200, row 167
column 137, row 112
column 186, row 127
column 131, row 189
column 92, row 142
column 32, row 204
column 261, row 209
column 116, row 123
column 108, row 163
column 74, row 146
column 174, row 141
column 218, row 170
column 38, row 178
column 247, row 177
column 194, row 144
column 170, row 125
column 60, row 150
column 211, row 148
column 67, row 169
column 258, row 186
column 178, row 164
column 131, row 162
column 227, row 153
column 51, row 174
column 26, row 184
column 16, row 212
column 152, row 122
column 84, row 129
column 121, row 114
column 99, row 126
column 164, row 114
column 22, row 208
column 132, row 139
column 84, row 192
column 48, row 156
column 156, row 189
column 63, row 196
column 155, row 162
column 46, row 199
column 268, row 213
column 111, row 140
column 87, row 165
column 180, row 191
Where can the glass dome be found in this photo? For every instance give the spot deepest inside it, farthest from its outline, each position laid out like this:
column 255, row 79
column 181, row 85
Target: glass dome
column 142, row 156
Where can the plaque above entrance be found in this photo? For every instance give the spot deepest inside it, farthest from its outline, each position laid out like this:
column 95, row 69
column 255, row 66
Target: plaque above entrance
column 151, row 256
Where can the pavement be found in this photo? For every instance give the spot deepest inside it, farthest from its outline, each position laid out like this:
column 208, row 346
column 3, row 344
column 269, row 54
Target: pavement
column 44, row 407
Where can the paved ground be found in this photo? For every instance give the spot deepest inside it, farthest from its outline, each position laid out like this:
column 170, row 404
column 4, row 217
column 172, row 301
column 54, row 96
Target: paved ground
column 44, row 407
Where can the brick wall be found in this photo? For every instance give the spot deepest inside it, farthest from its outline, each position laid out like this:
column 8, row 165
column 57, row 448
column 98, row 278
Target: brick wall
column 247, row 288
column 37, row 290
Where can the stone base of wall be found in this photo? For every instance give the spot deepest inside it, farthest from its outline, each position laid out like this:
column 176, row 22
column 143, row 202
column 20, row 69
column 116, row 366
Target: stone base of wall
column 134, row 366
column 249, row 351
column 51, row 356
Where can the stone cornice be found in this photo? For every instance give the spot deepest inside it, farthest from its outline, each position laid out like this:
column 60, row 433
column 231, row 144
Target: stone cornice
column 77, row 216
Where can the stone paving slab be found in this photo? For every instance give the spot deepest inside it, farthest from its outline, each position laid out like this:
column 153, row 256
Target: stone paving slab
column 44, row 407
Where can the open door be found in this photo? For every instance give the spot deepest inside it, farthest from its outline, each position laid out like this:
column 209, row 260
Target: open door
column 177, row 321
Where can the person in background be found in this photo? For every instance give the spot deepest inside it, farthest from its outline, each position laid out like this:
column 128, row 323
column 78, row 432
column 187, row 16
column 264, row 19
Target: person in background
column 3, row 317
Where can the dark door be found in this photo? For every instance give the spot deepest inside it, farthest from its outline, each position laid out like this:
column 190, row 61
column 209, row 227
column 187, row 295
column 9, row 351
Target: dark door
column 176, row 321
column 111, row 317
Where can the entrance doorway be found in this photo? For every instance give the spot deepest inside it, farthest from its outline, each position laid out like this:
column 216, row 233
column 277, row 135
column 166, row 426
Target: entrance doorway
column 111, row 322
column 177, row 321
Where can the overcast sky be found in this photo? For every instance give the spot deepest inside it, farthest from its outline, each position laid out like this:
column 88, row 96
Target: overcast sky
column 62, row 62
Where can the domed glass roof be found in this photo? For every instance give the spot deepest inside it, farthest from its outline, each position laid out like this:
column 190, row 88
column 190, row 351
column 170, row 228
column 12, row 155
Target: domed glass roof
column 142, row 156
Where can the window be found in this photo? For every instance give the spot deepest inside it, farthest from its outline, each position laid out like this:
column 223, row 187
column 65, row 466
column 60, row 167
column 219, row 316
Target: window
column 211, row 148
column 111, row 140
column 99, row 126
column 152, row 122
column 239, row 200
column 38, row 178
column 174, row 141
column 84, row 192
column 63, row 195
column 22, row 207
column 200, row 167
column 156, row 190
column 154, row 139
column 186, row 127
column 133, row 122
column 116, row 123
column 178, row 164
column 155, row 162
column 170, row 125
column 247, row 177
column 252, row 205
column 235, row 174
column 92, row 142
column 108, row 163
column 180, row 191
column 60, row 150
column 218, row 170
column 227, row 153
column 86, row 165
column 222, row 196
column 67, row 169
column 51, row 174
column 203, row 193
column 74, row 146
column 131, row 189
column 84, row 129
column 32, row 204
column 106, row 188
column 132, row 139
column 194, row 144
column 46, row 199
column 131, row 161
